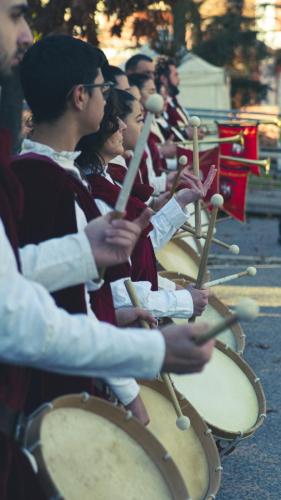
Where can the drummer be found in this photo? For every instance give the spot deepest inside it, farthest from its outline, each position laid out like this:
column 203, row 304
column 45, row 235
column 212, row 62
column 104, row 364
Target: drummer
column 97, row 153
column 166, row 75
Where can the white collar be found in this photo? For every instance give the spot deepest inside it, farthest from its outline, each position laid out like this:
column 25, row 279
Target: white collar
column 65, row 159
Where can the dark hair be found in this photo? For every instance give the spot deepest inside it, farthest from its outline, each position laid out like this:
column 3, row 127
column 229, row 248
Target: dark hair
column 162, row 68
column 110, row 73
column 51, row 68
column 138, row 79
column 118, row 105
column 132, row 63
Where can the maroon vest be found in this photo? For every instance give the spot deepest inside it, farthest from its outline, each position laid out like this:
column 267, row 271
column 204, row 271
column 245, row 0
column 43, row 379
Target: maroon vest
column 13, row 380
column 49, row 212
column 143, row 258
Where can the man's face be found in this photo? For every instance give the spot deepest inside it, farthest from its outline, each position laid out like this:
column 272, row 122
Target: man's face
column 94, row 110
column 15, row 35
column 146, row 67
column 174, row 78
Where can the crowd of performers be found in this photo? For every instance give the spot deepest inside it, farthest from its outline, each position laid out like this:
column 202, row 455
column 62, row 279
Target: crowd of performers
column 63, row 321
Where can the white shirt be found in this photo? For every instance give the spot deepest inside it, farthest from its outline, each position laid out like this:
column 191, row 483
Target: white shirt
column 126, row 390
column 161, row 303
column 35, row 332
column 157, row 182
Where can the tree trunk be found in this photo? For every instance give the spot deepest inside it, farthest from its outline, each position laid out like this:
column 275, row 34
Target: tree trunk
column 179, row 10
column 11, row 108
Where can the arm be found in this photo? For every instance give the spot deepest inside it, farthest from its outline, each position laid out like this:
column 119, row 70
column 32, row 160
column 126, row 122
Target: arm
column 34, row 332
column 166, row 222
column 163, row 303
column 60, row 262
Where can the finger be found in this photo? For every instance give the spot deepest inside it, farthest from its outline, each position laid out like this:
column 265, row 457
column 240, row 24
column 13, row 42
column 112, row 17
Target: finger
column 120, row 242
column 143, row 220
column 123, row 225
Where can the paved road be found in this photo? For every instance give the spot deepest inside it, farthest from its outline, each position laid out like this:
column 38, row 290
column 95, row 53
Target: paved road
column 253, row 471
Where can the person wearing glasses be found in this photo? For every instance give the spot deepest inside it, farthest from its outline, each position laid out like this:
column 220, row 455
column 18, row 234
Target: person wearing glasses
column 66, row 102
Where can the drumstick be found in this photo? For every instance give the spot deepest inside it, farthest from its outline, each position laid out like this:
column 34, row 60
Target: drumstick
column 153, row 105
column 250, row 271
column 234, row 249
column 182, row 421
column 195, row 123
column 217, row 202
column 183, row 161
column 246, row 310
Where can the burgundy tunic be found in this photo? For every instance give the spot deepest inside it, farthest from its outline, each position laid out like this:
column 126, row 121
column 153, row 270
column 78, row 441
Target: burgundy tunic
column 143, row 258
column 49, row 212
column 13, row 380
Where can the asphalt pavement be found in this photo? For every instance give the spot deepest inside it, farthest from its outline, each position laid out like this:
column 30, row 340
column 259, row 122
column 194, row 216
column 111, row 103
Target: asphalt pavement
column 253, row 470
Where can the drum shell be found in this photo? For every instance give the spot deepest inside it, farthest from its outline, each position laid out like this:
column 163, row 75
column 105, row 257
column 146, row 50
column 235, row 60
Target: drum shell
column 257, row 387
column 203, row 434
column 141, row 435
column 238, row 341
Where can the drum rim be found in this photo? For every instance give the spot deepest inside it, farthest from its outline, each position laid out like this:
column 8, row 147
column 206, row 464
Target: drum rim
column 220, row 433
column 150, row 444
column 220, row 306
column 204, row 435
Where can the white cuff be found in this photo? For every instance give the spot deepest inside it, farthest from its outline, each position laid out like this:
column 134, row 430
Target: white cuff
column 166, row 284
column 126, row 390
column 176, row 215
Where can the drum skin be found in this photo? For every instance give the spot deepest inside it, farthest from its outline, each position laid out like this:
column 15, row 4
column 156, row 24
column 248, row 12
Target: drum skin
column 87, row 448
column 194, row 450
column 215, row 312
column 178, row 256
column 227, row 394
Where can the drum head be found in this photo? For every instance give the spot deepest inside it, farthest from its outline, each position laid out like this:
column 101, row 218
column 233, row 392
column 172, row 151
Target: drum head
column 227, row 394
column 176, row 256
column 193, row 450
column 86, row 448
column 233, row 337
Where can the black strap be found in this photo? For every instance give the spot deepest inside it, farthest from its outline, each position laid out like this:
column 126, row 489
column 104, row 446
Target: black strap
column 11, row 422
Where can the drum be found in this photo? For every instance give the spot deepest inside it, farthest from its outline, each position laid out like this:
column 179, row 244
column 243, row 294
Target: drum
column 227, row 394
column 194, row 450
column 176, row 256
column 87, row 448
column 233, row 337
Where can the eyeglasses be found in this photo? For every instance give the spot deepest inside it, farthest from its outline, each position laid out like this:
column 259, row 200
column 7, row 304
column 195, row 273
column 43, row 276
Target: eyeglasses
column 105, row 87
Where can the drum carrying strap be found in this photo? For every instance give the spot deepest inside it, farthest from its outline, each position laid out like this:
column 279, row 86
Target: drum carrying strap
column 11, row 422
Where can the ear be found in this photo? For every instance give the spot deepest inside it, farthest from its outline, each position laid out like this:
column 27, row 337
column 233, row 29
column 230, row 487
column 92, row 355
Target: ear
column 79, row 98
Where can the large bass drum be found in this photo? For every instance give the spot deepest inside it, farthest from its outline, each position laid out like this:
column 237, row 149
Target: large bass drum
column 227, row 394
column 85, row 448
column 193, row 450
column 234, row 337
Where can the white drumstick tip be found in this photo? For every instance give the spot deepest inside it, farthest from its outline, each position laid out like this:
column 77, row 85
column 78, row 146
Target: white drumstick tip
column 195, row 121
column 252, row 271
column 217, row 200
column 234, row 249
column 247, row 309
column 154, row 104
column 183, row 160
column 183, row 423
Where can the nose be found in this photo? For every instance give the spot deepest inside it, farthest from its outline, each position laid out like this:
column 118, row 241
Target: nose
column 25, row 38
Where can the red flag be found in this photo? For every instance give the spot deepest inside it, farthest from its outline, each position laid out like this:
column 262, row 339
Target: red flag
column 249, row 150
column 233, row 187
column 206, row 159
